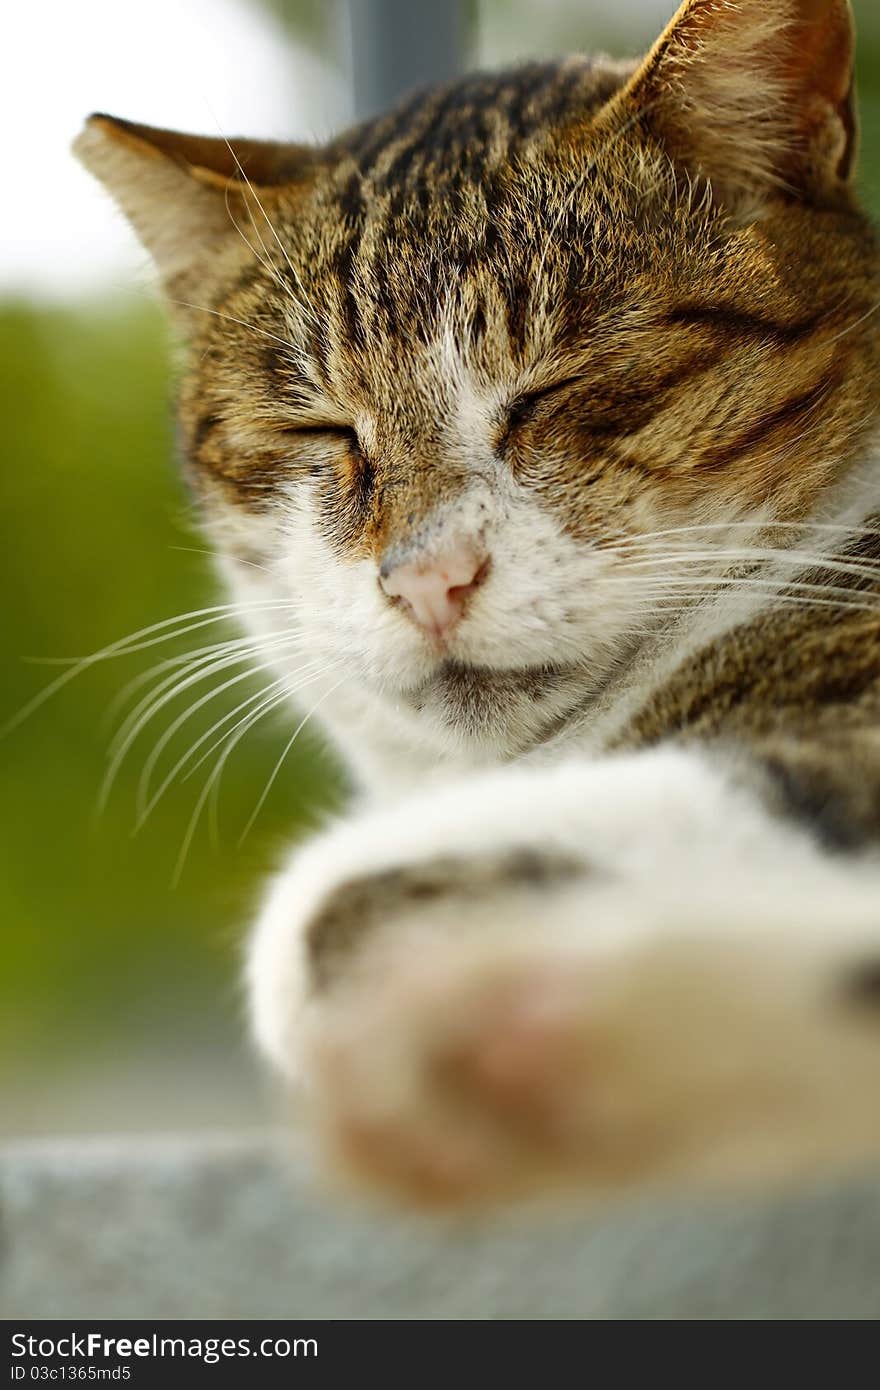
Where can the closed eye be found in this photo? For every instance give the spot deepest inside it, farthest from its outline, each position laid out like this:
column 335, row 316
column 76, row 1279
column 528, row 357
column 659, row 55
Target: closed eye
column 523, row 408
column 345, row 434
column 358, row 467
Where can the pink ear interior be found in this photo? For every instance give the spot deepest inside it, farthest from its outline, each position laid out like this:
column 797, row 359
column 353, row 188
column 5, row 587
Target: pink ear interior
column 820, row 56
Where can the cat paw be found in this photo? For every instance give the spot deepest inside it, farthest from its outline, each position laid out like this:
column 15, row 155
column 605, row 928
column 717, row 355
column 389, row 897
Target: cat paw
column 547, row 978
column 479, row 1076
column 456, row 1084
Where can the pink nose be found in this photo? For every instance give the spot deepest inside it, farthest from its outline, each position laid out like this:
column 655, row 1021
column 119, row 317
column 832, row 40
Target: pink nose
column 434, row 592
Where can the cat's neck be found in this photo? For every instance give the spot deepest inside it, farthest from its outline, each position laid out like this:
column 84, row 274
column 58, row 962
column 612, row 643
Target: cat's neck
column 385, row 748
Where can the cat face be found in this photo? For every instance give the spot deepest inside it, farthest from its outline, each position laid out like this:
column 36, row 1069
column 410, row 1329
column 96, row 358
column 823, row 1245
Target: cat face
column 459, row 382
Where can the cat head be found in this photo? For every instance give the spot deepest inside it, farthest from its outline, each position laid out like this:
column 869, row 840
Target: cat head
column 456, row 380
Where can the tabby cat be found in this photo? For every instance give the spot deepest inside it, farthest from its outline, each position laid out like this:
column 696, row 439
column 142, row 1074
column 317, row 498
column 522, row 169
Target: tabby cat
column 541, row 415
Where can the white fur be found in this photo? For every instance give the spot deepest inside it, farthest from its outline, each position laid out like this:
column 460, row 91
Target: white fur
column 651, row 821
column 708, row 940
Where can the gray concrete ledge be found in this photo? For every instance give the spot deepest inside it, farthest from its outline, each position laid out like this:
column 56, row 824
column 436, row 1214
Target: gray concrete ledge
column 225, row 1228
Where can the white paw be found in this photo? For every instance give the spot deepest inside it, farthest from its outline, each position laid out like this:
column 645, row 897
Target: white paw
column 487, row 1071
column 552, row 978
column 629, row 818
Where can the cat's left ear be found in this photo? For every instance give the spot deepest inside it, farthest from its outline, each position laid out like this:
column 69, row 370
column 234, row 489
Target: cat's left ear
column 187, row 195
column 755, row 95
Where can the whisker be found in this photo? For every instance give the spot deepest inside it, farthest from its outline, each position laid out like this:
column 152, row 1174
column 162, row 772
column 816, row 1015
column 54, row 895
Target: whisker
column 179, row 678
column 308, row 306
column 218, row 772
column 279, row 764
column 127, row 646
column 170, row 688
column 243, row 323
column 214, row 799
column 841, row 528
column 803, row 560
column 273, row 686
column 201, row 550
column 263, row 260
column 171, row 663
column 851, row 328
column 187, row 661
column 657, row 590
column 143, row 790
column 289, row 692
column 214, row 796
column 218, row 742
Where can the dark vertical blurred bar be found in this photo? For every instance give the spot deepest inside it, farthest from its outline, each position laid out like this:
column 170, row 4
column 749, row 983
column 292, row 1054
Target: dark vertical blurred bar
column 397, row 45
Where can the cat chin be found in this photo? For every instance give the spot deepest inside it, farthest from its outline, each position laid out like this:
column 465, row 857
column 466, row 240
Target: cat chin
column 466, row 685
column 497, row 711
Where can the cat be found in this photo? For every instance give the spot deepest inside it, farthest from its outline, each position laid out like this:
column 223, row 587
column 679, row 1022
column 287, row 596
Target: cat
column 541, row 414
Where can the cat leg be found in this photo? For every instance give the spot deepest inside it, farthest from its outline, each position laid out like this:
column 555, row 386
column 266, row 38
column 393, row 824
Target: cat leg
column 592, row 975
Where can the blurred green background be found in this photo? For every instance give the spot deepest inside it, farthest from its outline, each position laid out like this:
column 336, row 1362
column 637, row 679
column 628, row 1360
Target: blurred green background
column 119, row 1002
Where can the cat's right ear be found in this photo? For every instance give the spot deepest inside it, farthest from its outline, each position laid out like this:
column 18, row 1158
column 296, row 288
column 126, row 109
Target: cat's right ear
column 756, row 96
column 185, row 195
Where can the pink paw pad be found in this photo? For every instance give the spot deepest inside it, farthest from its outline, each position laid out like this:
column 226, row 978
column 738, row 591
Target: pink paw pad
column 526, row 1045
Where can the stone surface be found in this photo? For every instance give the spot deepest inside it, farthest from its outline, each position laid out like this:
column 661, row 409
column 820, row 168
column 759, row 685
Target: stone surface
column 228, row 1228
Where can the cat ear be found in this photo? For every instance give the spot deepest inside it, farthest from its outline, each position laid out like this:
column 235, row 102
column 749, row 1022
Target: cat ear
column 756, row 95
column 184, row 194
